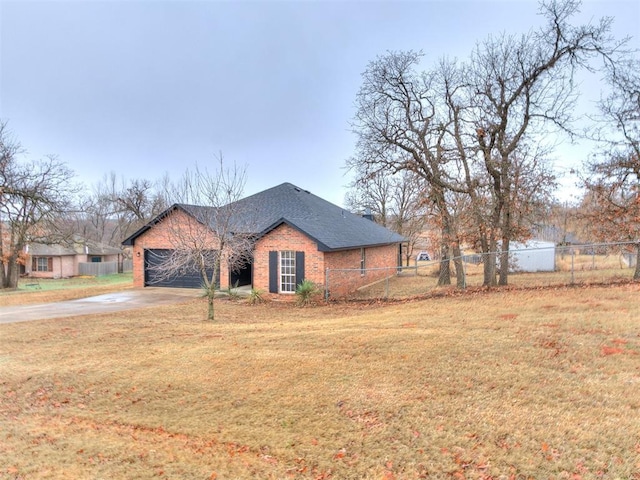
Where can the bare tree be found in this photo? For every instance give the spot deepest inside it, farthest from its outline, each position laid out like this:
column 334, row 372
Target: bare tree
column 138, row 202
column 410, row 210
column 521, row 89
column 208, row 227
column 401, row 127
column 371, row 194
column 114, row 208
column 613, row 176
column 395, row 202
column 469, row 129
column 33, row 196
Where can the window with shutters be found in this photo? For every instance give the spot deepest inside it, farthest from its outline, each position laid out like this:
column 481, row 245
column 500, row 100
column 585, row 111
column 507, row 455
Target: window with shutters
column 287, row 271
column 363, row 262
column 42, row 264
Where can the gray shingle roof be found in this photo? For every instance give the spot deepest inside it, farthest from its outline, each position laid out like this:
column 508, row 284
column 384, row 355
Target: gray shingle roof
column 44, row 250
column 332, row 227
column 74, row 247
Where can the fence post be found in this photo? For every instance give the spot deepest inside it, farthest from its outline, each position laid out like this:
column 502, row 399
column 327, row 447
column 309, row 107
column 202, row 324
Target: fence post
column 326, row 285
column 464, row 272
column 573, row 256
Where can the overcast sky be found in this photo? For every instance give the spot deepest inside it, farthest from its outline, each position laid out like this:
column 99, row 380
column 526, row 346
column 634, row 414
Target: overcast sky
column 146, row 87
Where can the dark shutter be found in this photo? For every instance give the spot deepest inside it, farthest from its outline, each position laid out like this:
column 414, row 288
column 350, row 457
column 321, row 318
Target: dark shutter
column 50, row 264
column 34, row 264
column 299, row 267
column 273, row 272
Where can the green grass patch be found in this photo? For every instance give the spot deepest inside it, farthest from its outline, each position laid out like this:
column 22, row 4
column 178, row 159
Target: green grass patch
column 44, row 290
column 30, row 284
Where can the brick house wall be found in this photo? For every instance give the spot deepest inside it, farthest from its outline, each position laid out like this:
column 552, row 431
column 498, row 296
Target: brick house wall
column 62, row 267
column 67, row 266
column 282, row 238
column 84, row 258
column 165, row 234
column 342, row 282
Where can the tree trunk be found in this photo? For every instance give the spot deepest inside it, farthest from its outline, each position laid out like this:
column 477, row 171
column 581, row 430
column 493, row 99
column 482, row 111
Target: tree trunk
column 444, row 276
column 448, row 237
column 636, row 273
column 461, row 281
column 489, row 263
column 210, row 309
column 504, row 262
column 3, row 271
column 3, row 276
column 12, row 275
column 211, row 286
column 506, row 222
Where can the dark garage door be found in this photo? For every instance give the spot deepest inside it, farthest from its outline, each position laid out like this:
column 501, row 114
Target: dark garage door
column 153, row 277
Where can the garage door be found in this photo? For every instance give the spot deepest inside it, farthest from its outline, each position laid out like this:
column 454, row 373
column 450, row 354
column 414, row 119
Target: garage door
column 153, row 276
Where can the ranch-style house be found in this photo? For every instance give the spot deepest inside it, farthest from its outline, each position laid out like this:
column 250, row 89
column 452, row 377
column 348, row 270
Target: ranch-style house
column 296, row 236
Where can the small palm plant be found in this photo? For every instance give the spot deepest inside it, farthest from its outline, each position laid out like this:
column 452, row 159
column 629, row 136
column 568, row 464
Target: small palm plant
column 255, row 297
column 232, row 291
column 306, row 292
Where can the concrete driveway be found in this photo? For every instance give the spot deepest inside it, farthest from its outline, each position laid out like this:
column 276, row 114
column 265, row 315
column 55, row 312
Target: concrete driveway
column 110, row 302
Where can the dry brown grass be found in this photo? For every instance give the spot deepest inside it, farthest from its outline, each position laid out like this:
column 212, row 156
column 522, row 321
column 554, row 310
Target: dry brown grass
column 518, row 384
column 587, row 270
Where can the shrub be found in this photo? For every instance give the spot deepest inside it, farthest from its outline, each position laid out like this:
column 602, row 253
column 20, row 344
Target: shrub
column 232, row 291
column 305, row 292
column 255, row 296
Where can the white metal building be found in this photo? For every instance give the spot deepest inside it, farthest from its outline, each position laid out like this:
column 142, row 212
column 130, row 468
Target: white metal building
column 532, row 256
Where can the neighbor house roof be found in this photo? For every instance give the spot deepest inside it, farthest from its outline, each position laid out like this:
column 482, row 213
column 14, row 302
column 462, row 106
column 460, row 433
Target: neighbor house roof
column 96, row 248
column 44, row 250
column 331, row 226
column 77, row 246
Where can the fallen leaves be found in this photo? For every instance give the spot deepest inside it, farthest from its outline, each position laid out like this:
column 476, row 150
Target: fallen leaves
column 606, row 350
column 621, row 346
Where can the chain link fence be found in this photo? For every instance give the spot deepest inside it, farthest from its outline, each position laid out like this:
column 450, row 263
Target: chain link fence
column 530, row 267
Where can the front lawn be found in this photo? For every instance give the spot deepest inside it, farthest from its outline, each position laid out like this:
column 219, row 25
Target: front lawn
column 505, row 384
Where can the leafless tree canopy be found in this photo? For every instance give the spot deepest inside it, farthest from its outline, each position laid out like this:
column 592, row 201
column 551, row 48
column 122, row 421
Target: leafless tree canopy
column 475, row 131
column 612, row 178
column 208, row 226
column 33, row 196
column 115, row 208
column 396, row 202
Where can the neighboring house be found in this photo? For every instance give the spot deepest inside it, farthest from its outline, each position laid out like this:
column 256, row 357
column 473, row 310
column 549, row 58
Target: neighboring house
column 61, row 261
column 296, row 236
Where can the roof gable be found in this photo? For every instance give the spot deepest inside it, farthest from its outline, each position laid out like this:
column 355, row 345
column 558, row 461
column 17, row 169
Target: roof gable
column 333, row 227
column 195, row 211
